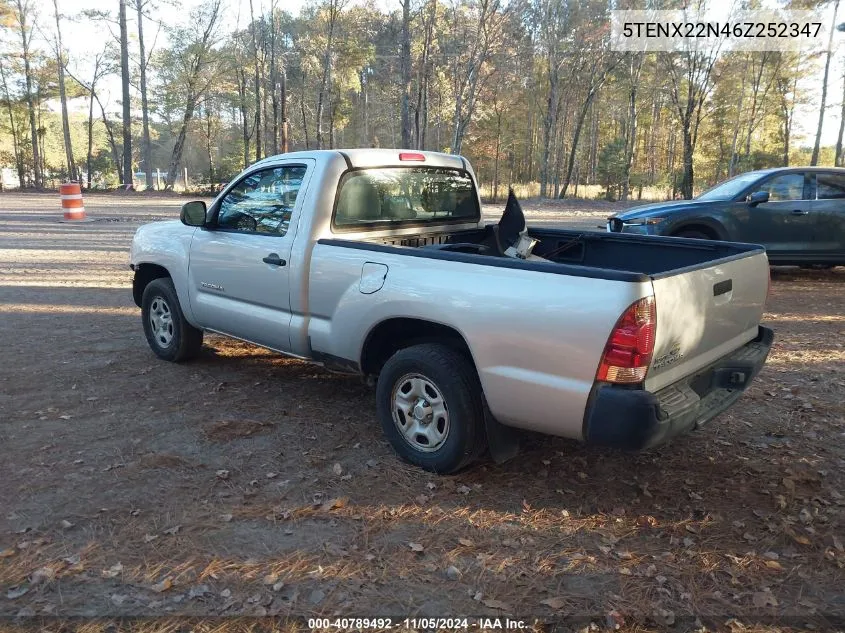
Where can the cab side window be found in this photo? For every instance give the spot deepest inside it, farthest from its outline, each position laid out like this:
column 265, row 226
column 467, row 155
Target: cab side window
column 262, row 202
column 830, row 186
column 785, row 187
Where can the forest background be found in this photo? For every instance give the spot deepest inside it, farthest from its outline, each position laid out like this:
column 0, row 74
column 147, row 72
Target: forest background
column 171, row 95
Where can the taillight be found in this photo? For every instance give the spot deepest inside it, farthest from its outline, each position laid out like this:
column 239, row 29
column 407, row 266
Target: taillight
column 411, row 156
column 631, row 343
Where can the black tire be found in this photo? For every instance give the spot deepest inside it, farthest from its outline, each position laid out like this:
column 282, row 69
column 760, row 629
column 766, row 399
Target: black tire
column 454, row 376
column 177, row 340
column 692, row 233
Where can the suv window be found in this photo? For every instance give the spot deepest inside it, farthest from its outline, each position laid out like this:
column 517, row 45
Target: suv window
column 390, row 195
column 784, row 187
column 263, row 201
column 830, row 186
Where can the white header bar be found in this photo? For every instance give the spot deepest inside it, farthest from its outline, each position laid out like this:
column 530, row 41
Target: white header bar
column 687, row 30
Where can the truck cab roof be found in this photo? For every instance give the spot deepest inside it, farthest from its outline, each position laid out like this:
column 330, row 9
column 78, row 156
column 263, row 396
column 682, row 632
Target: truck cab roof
column 375, row 157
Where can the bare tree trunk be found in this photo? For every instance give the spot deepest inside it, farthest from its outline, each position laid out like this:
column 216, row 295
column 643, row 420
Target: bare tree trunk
column 365, row 109
column 42, row 131
column 529, row 142
column 593, row 153
column 90, row 153
column 266, row 141
column 688, row 174
column 179, row 146
column 208, row 148
column 633, row 114
column 274, row 88
column 241, row 75
column 579, row 124
column 651, row 149
column 405, row 63
column 468, row 84
column 421, row 114
column 15, row 142
column 304, row 118
column 332, row 113
column 732, row 165
column 562, row 117
column 558, row 149
column 549, row 126
column 817, row 145
column 283, row 88
column 786, row 113
column 256, row 84
column 127, row 113
column 60, row 60
column 23, row 14
column 325, row 83
column 112, row 143
column 511, row 165
column 145, row 110
column 197, row 82
column 498, row 145
column 755, row 92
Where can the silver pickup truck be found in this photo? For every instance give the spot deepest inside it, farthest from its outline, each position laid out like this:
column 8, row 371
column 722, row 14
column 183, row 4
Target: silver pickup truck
column 378, row 262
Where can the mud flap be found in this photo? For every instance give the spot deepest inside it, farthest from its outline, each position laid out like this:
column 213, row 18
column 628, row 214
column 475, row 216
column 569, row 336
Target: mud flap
column 502, row 441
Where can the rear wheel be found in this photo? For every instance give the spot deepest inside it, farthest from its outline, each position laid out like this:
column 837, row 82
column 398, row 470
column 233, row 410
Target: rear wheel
column 169, row 335
column 428, row 401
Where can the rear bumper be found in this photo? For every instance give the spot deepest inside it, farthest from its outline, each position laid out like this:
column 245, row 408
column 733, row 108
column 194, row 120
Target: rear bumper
column 637, row 419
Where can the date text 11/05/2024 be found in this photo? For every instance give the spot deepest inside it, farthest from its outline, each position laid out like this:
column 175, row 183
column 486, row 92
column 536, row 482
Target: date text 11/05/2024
column 457, row 624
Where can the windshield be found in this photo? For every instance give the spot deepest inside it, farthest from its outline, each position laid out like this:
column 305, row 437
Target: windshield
column 730, row 188
column 406, row 195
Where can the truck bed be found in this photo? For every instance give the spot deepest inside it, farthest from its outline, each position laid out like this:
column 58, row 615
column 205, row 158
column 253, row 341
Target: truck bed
column 714, row 291
column 635, row 255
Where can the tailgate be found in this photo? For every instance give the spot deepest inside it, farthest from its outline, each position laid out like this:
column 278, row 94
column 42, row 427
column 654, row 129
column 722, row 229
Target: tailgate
column 704, row 313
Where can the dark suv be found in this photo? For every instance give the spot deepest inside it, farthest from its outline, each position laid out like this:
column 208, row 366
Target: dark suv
column 797, row 213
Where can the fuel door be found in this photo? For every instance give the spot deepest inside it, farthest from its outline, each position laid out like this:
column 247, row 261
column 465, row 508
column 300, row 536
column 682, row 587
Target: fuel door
column 372, row 277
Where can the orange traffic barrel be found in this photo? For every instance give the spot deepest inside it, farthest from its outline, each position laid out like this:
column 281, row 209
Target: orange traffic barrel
column 72, row 204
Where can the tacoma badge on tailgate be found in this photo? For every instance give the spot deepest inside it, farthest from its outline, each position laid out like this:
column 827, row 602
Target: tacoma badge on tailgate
column 673, row 356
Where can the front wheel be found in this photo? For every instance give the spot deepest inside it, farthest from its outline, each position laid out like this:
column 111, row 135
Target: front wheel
column 691, row 233
column 169, row 335
column 428, row 401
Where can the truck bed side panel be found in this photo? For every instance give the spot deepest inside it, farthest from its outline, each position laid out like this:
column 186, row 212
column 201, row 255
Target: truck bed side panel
column 536, row 338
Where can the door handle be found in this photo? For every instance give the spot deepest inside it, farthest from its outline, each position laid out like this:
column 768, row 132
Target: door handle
column 274, row 260
column 799, row 212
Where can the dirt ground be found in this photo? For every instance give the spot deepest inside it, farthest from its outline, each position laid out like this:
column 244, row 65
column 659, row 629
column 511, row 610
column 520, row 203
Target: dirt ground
column 248, row 484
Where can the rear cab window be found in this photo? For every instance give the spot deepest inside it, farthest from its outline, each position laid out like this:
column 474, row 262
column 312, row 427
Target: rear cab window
column 830, row 186
column 378, row 198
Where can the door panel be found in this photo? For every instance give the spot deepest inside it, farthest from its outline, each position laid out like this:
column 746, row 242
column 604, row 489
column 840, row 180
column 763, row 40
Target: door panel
column 238, row 272
column 785, row 223
column 829, row 211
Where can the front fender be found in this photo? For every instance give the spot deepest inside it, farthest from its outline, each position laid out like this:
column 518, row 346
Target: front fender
column 168, row 245
column 691, row 221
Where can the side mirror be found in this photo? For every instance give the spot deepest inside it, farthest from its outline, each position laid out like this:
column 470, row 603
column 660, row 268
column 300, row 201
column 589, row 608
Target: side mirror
column 758, row 197
column 193, row 213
